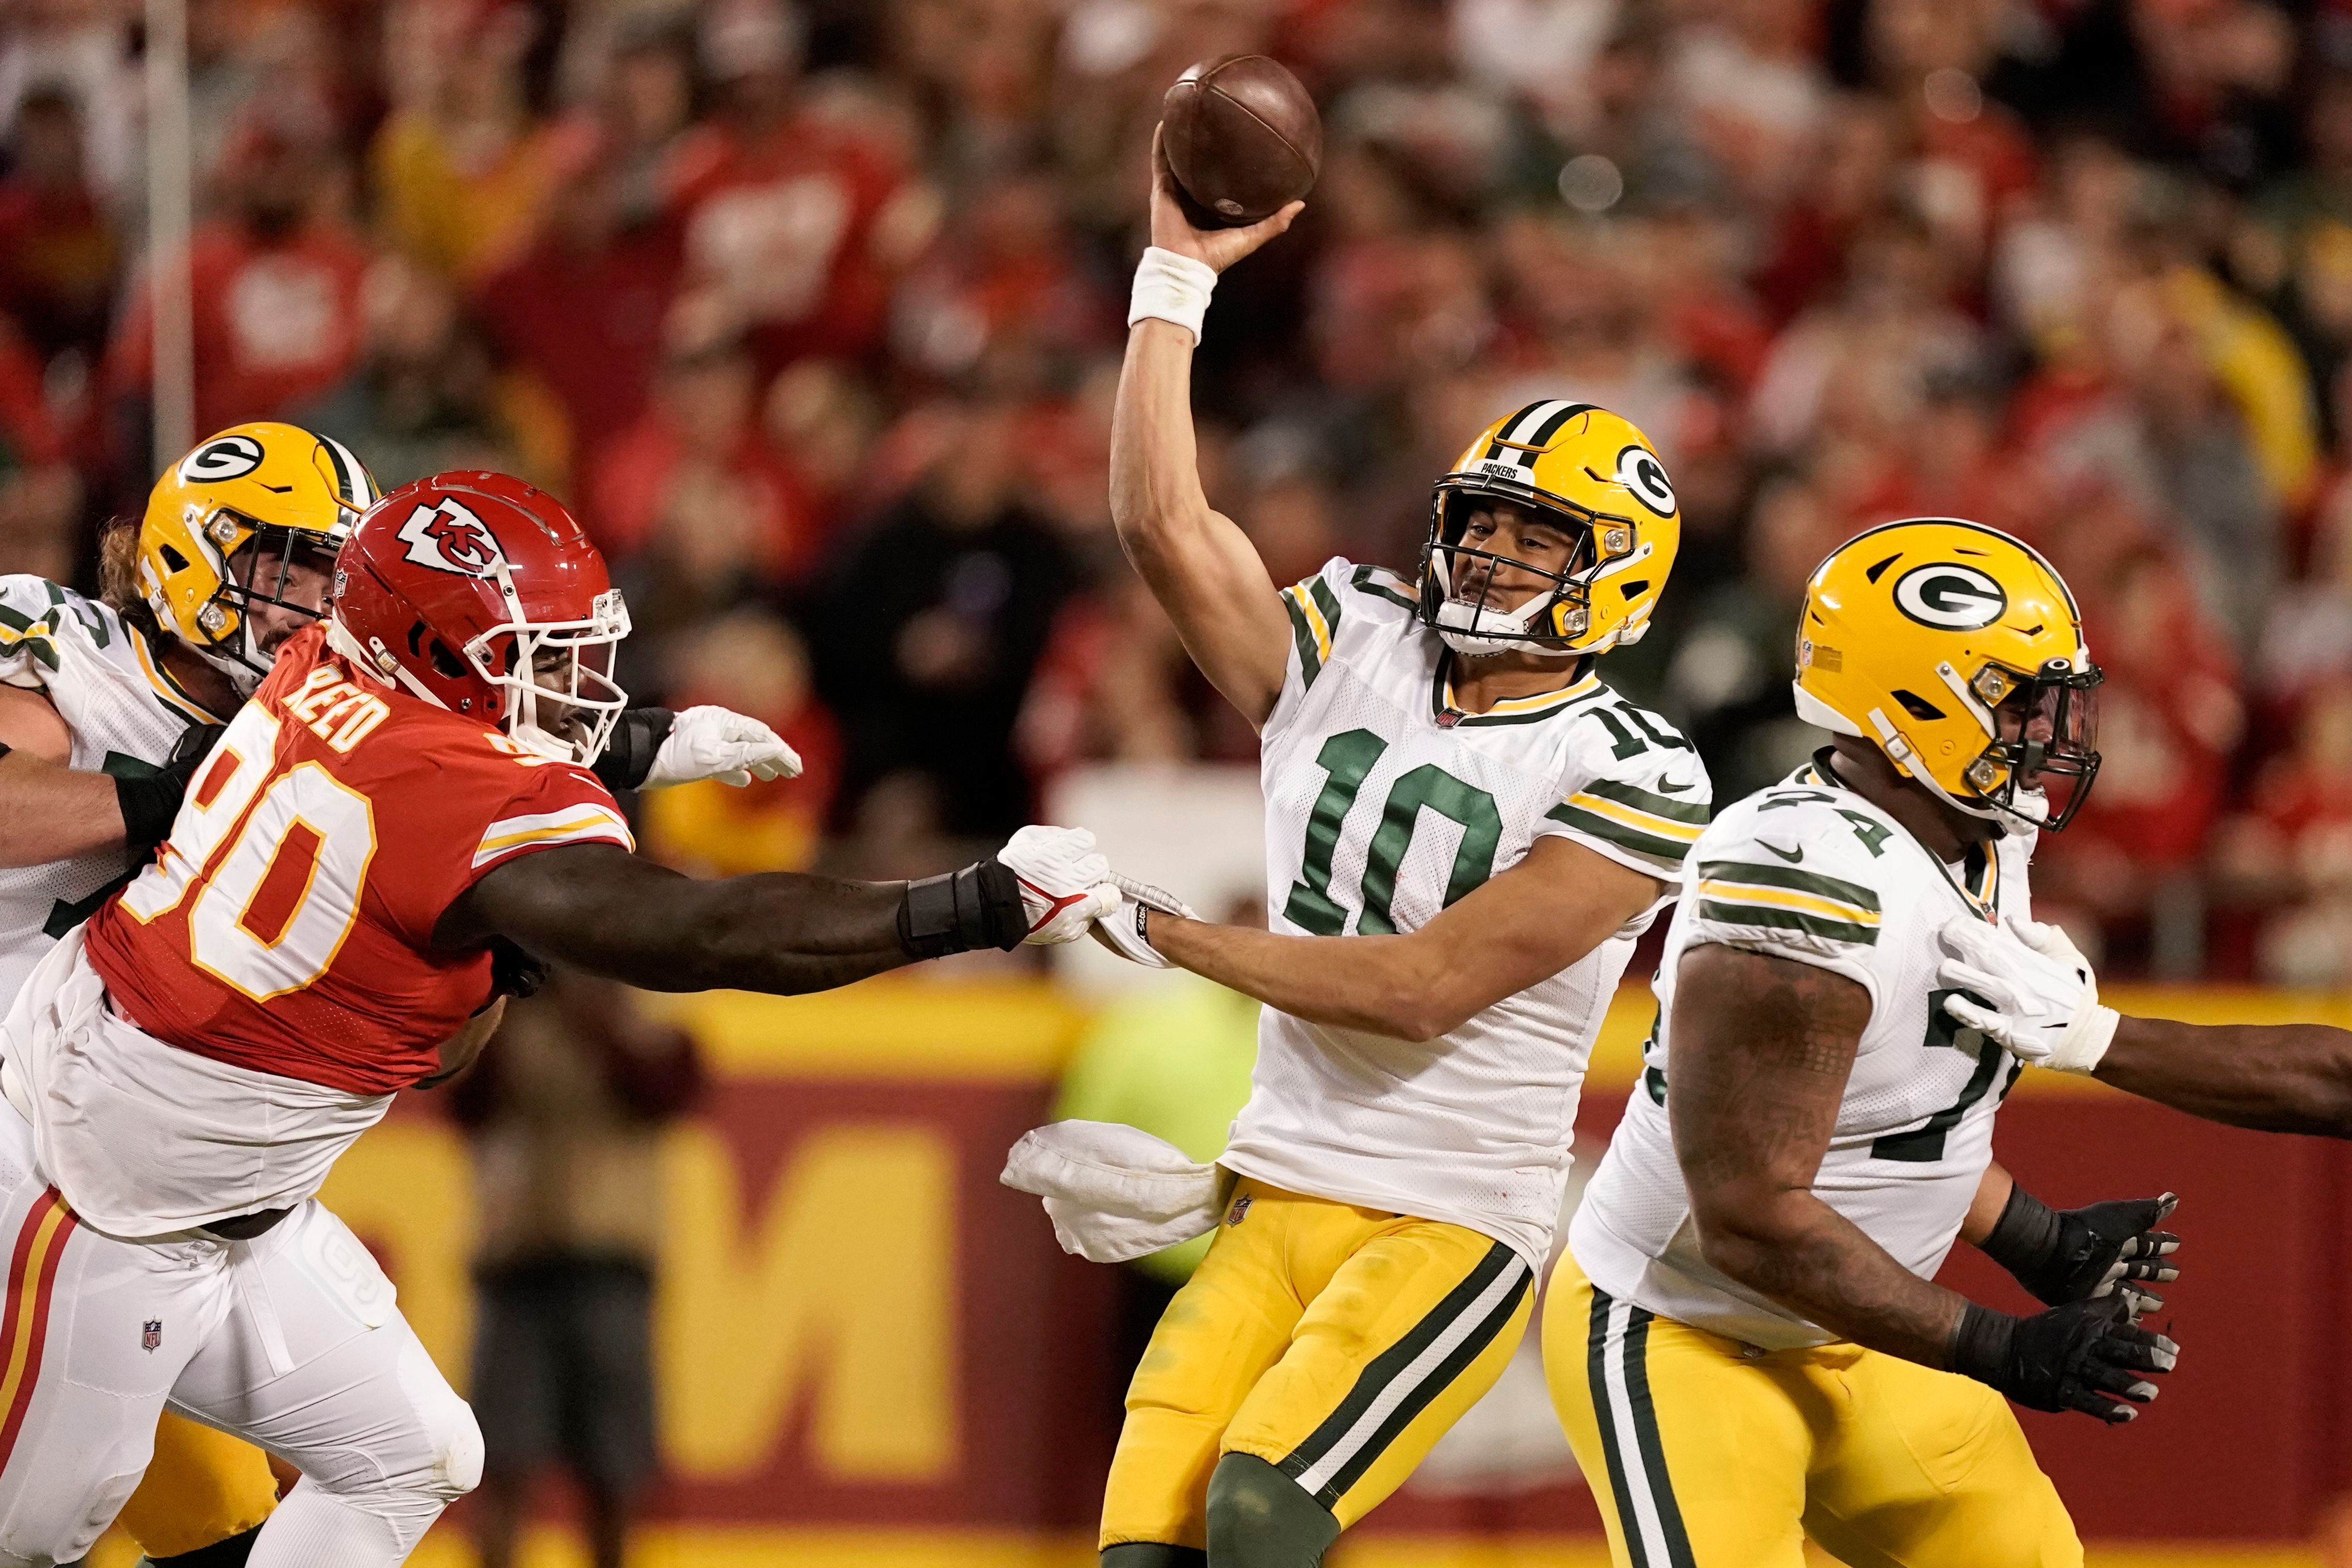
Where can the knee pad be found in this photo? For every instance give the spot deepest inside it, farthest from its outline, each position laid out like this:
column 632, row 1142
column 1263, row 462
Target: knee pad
column 1260, row 1518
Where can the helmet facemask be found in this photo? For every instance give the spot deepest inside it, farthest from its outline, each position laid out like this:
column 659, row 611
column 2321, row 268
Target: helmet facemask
column 1458, row 581
column 254, row 563
column 2045, row 729
column 561, row 698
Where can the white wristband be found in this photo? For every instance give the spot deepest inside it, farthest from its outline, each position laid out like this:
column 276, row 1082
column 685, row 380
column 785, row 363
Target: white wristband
column 2087, row 1038
column 1171, row 287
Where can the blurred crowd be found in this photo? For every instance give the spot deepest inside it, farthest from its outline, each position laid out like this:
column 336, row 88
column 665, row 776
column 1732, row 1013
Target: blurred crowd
column 813, row 310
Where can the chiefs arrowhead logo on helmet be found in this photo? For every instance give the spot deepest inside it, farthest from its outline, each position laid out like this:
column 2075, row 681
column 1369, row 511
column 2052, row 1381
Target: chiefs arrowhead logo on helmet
column 448, row 538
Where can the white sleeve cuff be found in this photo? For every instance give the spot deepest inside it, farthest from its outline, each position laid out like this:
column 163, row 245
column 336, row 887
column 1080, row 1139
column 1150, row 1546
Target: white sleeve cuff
column 1171, row 287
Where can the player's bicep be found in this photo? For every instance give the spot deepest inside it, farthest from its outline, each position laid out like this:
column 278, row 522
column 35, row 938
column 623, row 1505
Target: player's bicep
column 1760, row 1052
column 1215, row 586
column 1524, row 926
column 573, row 904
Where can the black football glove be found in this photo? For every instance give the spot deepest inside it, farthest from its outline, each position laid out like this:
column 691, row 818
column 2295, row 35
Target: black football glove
column 2085, row 1355
column 150, row 803
column 2074, row 1254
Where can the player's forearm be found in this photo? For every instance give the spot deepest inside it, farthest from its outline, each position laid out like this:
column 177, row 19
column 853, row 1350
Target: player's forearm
column 599, row 908
column 1389, row 986
column 52, row 813
column 1993, row 1189
column 2284, row 1077
column 782, row 932
column 1795, row 1249
column 1155, row 480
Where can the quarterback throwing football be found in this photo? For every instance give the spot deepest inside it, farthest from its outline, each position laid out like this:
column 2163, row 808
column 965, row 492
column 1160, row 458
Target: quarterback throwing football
column 1465, row 832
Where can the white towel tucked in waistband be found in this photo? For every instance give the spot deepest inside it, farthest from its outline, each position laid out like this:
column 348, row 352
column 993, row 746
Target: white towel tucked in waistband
column 1113, row 1191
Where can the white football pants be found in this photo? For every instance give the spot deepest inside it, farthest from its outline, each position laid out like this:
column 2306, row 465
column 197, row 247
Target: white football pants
column 291, row 1340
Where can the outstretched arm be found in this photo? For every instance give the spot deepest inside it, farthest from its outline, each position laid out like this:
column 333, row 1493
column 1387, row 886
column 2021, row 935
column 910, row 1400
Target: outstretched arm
column 1197, row 563
column 596, row 906
column 2027, row 986
column 2274, row 1077
column 1524, row 926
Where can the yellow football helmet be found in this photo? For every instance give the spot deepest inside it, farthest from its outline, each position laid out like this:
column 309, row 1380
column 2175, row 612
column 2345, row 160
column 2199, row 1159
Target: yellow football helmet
column 275, row 484
column 1959, row 651
column 1598, row 479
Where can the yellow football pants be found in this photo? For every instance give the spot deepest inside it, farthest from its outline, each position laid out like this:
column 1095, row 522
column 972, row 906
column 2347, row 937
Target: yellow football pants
column 201, row 1487
column 1706, row 1453
column 1336, row 1343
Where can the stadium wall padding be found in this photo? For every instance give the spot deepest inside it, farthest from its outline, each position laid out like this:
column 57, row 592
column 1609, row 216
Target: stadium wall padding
column 860, row 1332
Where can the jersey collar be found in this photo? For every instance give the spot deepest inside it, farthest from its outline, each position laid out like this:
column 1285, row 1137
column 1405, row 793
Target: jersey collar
column 166, row 685
column 1980, row 888
column 1510, row 710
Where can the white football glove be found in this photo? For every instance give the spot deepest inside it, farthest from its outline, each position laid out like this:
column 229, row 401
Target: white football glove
column 2046, row 1000
column 715, row 744
column 1121, row 929
column 1066, row 883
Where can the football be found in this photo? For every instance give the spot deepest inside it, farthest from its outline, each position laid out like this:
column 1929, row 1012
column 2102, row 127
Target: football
column 1243, row 139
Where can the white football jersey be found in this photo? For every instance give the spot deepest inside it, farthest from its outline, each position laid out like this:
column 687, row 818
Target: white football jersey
column 125, row 714
column 1809, row 871
column 1385, row 804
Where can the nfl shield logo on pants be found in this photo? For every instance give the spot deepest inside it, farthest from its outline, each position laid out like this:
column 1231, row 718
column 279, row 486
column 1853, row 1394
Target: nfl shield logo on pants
column 150, row 1336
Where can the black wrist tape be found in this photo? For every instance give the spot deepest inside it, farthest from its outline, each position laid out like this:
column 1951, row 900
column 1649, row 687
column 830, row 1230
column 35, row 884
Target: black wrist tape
column 148, row 805
column 979, row 906
column 628, row 754
column 1981, row 1346
column 2025, row 1240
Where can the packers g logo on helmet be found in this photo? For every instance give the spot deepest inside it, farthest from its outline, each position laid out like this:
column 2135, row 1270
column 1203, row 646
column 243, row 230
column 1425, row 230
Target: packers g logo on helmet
column 257, row 482
column 1959, row 651
column 222, row 458
column 1584, row 472
column 1950, row 596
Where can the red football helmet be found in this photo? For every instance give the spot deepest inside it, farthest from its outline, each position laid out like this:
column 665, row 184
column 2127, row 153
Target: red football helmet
column 481, row 594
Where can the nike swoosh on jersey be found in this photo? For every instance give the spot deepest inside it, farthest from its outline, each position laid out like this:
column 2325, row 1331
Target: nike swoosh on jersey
column 1669, row 787
column 1790, row 855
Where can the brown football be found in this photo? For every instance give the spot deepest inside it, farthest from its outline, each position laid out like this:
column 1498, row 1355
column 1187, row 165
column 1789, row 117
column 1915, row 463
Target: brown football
column 1243, row 139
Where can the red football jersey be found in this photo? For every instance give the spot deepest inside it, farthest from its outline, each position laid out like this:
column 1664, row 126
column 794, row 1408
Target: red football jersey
column 286, row 925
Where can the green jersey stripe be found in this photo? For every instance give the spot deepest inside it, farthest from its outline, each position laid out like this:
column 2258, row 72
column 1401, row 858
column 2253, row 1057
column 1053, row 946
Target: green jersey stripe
column 1788, row 919
column 1789, row 876
column 1643, row 800
column 1329, row 603
column 1666, row 851
column 1310, row 663
column 1369, row 580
